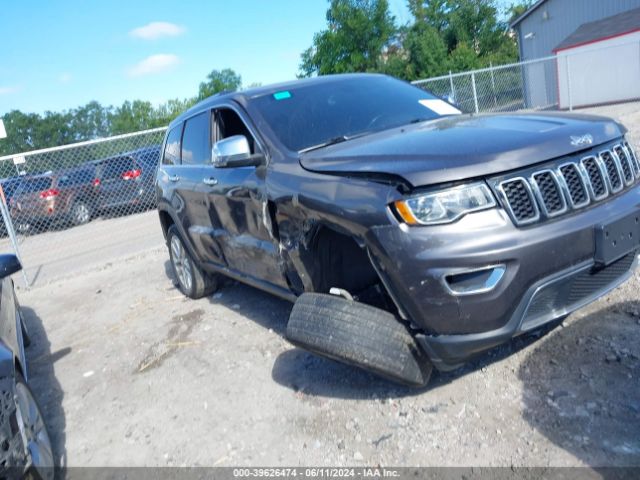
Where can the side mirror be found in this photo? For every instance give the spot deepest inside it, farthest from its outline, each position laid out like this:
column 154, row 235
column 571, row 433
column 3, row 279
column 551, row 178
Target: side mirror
column 234, row 152
column 9, row 264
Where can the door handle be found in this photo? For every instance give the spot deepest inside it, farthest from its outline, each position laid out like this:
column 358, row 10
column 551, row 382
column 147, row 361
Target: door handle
column 210, row 181
column 174, row 178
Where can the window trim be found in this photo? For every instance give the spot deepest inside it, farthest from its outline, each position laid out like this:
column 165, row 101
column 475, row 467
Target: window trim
column 210, row 145
column 247, row 123
column 164, row 145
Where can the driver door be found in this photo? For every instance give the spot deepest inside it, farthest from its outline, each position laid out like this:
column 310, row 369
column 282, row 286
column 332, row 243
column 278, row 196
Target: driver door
column 236, row 199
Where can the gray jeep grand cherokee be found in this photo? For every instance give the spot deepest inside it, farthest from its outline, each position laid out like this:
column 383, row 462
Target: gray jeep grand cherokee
column 407, row 234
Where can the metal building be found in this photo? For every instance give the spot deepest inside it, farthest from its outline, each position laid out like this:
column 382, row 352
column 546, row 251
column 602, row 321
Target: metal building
column 544, row 27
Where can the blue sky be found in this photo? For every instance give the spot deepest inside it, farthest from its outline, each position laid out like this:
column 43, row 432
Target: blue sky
column 61, row 54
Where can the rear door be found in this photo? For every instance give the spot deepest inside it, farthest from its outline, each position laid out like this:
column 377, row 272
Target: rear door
column 180, row 178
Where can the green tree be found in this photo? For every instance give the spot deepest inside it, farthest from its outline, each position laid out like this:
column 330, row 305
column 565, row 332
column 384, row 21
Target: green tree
column 357, row 33
column 426, row 51
column 219, row 81
column 517, row 9
column 470, row 30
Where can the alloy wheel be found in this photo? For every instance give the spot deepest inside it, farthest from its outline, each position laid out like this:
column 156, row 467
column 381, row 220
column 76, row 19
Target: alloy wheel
column 82, row 213
column 181, row 263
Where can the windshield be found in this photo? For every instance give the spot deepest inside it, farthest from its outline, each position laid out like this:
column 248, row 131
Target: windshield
column 316, row 114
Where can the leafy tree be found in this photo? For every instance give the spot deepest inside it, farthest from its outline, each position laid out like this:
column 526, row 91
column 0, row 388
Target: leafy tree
column 426, row 51
column 517, row 9
column 356, row 35
column 471, row 31
column 219, row 81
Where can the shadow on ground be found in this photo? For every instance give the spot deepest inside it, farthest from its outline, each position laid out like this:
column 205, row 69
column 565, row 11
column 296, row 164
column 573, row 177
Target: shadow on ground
column 582, row 386
column 43, row 382
column 300, row 370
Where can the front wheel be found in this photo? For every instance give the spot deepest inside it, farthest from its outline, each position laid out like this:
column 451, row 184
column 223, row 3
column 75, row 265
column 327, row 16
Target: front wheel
column 192, row 280
column 34, row 432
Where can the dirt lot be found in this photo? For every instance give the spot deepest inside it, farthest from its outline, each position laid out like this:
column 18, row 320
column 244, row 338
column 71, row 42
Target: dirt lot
column 131, row 373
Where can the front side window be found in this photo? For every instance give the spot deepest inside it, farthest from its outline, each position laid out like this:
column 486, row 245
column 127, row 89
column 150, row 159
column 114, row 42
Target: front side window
column 172, row 148
column 196, row 148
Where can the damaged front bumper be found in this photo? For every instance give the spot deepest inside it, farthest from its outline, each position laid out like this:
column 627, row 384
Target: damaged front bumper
column 543, row 273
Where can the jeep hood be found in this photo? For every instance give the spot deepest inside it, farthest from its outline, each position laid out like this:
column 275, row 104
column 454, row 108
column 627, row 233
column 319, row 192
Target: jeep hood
column 462, row 147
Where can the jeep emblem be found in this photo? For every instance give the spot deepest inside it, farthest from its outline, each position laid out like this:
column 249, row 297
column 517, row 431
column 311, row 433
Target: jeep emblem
column 581, row 141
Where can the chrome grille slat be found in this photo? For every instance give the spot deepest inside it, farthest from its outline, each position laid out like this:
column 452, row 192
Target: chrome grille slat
column 520, row 200
column 549, row 193
column 612, row 169
column 596, row 178
column 625, row 164
column 573, row 181
column 632, row 156
column 535, row 195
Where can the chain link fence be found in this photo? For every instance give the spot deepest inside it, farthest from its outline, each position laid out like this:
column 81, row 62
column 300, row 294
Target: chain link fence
column 573, row 78
column 57, row 201
column 506, row 88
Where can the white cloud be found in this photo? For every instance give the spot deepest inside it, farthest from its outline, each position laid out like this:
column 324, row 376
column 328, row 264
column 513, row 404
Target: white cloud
column 153, row 64
column 8, row 90
column 65, row 78
column 155, row 30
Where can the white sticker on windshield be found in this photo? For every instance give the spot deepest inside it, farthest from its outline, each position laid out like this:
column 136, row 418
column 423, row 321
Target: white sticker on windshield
column 440, row 107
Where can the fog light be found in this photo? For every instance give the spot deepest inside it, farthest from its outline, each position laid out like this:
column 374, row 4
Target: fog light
column 471, row 282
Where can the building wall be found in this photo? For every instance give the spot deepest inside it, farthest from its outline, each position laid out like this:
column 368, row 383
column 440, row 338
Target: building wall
column 562, row 18
column 601, row 72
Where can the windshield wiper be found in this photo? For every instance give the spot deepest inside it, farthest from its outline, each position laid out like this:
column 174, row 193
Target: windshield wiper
column 331, row 141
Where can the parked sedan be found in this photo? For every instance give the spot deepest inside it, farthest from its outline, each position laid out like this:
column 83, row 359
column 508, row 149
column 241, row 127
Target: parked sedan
column 26, row 446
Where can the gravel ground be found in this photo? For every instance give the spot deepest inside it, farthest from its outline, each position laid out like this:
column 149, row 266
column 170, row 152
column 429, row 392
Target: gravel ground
column 131, row 373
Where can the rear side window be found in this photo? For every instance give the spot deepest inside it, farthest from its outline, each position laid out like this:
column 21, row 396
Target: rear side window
column 115, row 167
column 196, row 140
column 75, row 178
column 36, row 185
column 172, row 149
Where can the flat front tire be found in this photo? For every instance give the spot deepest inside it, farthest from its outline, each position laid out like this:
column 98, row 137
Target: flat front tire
column 192, row 280
column 359, row 335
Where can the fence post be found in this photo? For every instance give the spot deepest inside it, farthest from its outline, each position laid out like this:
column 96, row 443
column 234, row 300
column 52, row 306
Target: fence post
column 475, row 93
column 451, row 87
column 569, row 84
column 6, row 217
column 493, row 86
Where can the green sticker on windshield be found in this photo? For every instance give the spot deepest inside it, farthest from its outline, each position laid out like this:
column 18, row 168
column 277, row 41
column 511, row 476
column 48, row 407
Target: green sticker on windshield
column 282, row 95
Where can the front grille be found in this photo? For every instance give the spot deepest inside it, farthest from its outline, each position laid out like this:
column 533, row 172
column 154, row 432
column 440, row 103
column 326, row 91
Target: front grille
column 567, row 293
column 537, row 194
column 521, row 201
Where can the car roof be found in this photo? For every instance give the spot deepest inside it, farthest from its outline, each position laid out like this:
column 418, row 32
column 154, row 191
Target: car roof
column 244, row 95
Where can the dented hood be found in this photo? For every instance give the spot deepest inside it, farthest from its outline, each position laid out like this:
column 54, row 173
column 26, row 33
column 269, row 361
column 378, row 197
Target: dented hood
column 462, row 147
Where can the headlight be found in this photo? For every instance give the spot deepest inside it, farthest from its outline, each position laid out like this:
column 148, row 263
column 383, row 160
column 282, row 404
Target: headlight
column 445, row 206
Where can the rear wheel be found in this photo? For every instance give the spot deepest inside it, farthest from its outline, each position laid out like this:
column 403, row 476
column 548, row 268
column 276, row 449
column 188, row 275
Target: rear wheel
column 359, row 335
column 34, row 432
column 80, row 213
column 192, row 280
